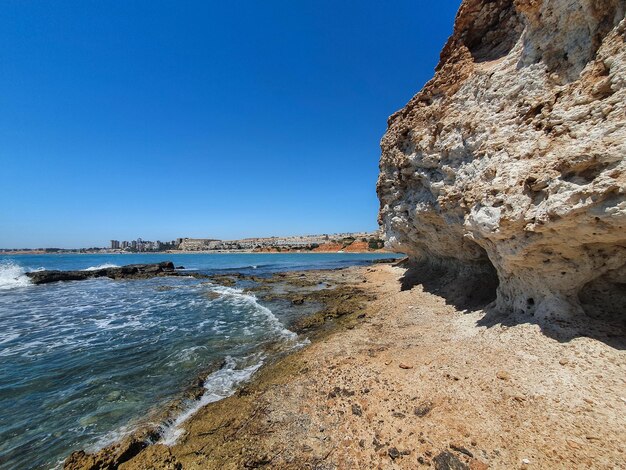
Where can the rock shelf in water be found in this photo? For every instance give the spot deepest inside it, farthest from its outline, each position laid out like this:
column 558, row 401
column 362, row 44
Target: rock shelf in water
column 131, row 271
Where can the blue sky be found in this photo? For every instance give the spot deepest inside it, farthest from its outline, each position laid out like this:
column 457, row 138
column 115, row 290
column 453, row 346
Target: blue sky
column 155, row 119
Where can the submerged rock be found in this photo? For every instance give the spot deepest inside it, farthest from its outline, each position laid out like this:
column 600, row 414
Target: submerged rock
column 508, row 167
column 131, row 271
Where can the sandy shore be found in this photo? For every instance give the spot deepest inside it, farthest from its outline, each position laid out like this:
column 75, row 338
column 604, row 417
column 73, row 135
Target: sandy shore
column 410, row 380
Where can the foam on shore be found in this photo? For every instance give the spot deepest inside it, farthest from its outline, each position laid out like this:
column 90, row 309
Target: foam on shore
column 218, row 385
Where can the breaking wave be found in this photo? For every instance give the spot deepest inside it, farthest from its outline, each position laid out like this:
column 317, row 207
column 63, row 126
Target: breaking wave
column 101, row 266
column 218, row 385
column 12, row 276
column 239, row 299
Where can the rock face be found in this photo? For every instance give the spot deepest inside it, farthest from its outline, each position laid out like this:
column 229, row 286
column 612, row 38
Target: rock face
column 511, row 159
column 131, row 271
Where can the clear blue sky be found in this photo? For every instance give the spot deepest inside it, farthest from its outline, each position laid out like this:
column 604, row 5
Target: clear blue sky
column 165, row 119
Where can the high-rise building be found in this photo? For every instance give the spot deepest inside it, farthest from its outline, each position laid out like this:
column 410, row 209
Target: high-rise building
column 124, row 244
column 133, row 244
column 115, row 244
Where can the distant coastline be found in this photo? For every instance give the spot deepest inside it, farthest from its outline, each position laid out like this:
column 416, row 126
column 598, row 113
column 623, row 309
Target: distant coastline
column 349, row 242
column 182, row 252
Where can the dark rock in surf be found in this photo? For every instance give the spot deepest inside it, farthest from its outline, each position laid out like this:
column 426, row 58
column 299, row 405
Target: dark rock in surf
column 131, row 271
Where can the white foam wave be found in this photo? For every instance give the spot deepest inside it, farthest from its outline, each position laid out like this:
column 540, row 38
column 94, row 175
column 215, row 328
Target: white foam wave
column 218, row 385
column 101, row 266
column 12, row 276
column 237, row 296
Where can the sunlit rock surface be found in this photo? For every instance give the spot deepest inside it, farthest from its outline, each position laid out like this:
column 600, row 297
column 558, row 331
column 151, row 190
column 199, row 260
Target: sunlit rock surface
column 512, row 157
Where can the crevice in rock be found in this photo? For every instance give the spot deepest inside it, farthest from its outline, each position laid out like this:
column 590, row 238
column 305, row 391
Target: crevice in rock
column 496, row 33
column 487, row 29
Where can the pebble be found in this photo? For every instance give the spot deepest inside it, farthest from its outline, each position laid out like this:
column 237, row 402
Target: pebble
column 405, row 366
column 563, row 362
column 448, row 461
column 423, row 409
column 503, row 375
column 525, row 461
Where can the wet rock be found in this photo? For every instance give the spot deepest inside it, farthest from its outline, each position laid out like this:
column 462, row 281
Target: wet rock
column 108, row 458
column 131, row 271
column 211, row 295
column 223, row 280
column 114, row 395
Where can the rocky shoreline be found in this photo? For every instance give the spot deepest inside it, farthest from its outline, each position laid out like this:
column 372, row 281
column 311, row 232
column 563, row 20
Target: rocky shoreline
column 403, row 372
column 130, row 271
column 336, row 301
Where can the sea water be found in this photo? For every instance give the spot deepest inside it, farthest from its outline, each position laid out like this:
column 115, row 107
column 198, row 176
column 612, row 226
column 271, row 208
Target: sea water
column 81, row 363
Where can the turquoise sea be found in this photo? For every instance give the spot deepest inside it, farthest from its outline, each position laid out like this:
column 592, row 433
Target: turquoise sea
column 83, row 362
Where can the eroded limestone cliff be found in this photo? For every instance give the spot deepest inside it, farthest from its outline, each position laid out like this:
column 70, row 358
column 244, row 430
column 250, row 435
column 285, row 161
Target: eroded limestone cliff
column 511, row 159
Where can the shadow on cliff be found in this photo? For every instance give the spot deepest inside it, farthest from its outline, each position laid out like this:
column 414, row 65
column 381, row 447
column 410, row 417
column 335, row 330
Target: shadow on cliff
column 609, row 330
column 602, row 302
column 471, row 290
column 467, row 289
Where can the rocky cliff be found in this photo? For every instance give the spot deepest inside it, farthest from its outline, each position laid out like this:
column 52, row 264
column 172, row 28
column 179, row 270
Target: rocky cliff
column 511, row 160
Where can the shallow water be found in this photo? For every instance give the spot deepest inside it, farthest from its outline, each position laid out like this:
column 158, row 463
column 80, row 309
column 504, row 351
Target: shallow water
column 82, row 362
